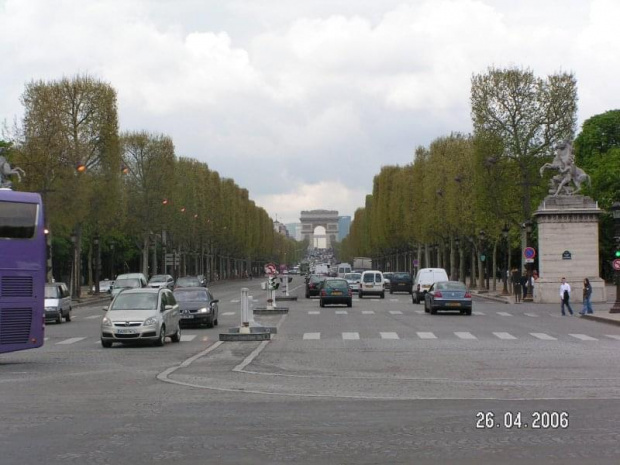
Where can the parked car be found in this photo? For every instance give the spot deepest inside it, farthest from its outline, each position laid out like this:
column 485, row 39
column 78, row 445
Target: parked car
column 121, row 283
column 161, row 280
column 197, row 305
column 448, row 295
column 143, row 314
column 423, row 281
column 57, row 302
column 312, row 285
column 335, row 291
column 371, row 283
column 387, row 277
column 401, row 282
column 105, row 285
column 188, row 281
column 354, row 281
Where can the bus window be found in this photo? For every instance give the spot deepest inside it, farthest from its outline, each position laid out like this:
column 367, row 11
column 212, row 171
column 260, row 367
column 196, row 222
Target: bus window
column 17, row 220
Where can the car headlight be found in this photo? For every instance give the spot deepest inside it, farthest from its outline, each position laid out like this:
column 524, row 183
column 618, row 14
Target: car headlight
column 150, row 321
column 204, row 310
column 106, row 322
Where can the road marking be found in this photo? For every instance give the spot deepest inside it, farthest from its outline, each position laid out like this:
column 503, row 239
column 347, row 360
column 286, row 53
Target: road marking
column 71, row 340
column 92, row 317
column 504, row 335
column 583, row 337
column 205, row 338
column 423, row 335
column 544, row 337
column 396, row 312
column 613, row 336
column 368, row 312
column 393, row 300
column 503, row 313
column 235, row 301
column 350, row 336
column 45, row 339
column 389, row 336
column 533, row 315
column 420, row 312
column 228, row 313
column 465, row 335
column 341, row 312
column 187, row 337
column 308, row 336
column 314, row 312
column 479, row 313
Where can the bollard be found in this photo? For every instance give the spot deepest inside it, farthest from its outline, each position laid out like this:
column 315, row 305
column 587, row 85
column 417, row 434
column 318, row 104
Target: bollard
column 287, row 281
column 245, row 312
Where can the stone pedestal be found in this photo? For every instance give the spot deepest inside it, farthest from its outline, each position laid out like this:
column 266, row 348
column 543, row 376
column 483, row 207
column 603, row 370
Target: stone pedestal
column 568, row 247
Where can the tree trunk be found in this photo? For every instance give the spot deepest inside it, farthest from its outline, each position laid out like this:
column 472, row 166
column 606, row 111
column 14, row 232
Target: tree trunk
column 495, row 266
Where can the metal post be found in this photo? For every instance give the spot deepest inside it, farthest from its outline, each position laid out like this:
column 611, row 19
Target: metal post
column 615, row 209
column 74, row 293
column 529, row 296
column 505, row 277
column 97, row 262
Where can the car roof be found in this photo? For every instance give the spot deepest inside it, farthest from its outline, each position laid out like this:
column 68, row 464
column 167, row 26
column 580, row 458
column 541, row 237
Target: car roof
column 146, row 290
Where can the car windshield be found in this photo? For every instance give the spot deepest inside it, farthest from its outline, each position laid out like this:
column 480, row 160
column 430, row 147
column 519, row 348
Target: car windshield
column 137, row 301
column 353, row 276
column 160, row 278
column 450, row 286
column 191, row 295
column 129, row 283
column 369, row 278
column 188, row 282
column 52, row 292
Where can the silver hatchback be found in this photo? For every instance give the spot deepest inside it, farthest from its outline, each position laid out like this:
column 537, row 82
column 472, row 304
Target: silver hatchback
column 141, row 315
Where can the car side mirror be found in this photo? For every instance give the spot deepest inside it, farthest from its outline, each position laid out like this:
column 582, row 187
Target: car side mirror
column 168, row 307
column 214, row 301
column 105, row 309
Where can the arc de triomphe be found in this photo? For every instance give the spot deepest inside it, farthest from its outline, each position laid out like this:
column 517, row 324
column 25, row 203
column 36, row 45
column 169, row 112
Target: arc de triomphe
column 314, row 218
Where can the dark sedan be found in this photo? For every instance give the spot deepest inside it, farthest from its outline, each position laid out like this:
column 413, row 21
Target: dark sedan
column 312, row 285
column 335, row 291
column 197, row 306
column 448, row 295
column 401, row 282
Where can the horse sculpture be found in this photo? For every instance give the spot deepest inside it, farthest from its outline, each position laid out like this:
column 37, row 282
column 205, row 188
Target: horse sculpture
column 564, row 162
column 6, row 171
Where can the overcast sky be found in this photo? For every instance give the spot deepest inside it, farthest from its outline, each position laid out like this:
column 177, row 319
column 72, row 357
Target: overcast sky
column 302, row 101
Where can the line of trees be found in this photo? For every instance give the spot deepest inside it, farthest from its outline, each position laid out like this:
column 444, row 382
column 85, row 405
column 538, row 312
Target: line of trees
column 118, row 201
column 465, row 201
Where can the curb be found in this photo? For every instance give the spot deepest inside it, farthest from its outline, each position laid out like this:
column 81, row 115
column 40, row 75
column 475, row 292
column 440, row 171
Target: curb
column 493, row 298
column 87, row 302
column 601, row 319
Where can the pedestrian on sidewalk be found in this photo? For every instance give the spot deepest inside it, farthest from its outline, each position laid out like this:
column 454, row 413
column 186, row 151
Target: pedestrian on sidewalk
column 587, row 298
column 565, row 296
column 523, row 281
column 516, row 285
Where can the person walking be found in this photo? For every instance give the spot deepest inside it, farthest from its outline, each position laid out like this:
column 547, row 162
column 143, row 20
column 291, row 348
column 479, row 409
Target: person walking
column 516, row 285
column 565, row 296
column 523, row 281
column 587, row 296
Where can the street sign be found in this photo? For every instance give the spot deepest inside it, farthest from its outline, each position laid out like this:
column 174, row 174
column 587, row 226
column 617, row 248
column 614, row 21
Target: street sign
column 529, row 252
column 270, row 268
column 416, row 263
column 483, row 257
column 529, row 260
column 172, row 259
column 616, row 264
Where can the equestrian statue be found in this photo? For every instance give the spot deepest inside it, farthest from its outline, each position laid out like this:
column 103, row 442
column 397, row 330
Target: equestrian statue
column 564, row 163
column 6, row 171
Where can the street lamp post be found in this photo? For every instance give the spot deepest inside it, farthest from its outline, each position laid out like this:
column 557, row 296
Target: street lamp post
column 457, row 267
column 112, row 246
column 505, row 235
column 482, row 258
column 74, row 292
column 97, row 262
column 529, row 296
column 615, row 210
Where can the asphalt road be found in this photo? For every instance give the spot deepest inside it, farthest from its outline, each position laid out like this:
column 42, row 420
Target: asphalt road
column 381, row 382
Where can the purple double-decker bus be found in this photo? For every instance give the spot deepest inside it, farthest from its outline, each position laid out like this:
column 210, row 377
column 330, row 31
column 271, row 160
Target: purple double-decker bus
column 22, row 271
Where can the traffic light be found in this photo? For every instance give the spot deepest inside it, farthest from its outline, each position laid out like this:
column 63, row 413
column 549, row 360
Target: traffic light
column 617, row 252
column 273, row 284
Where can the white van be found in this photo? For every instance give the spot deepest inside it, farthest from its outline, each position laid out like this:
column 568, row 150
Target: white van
column 424, row 279
column 371, row 283
column 343, row 268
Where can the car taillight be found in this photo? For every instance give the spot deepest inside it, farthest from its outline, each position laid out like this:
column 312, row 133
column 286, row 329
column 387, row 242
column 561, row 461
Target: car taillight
column 350, row 292
column 323, row 293
column 467, row 295
column 437, row 294
column 311, row 286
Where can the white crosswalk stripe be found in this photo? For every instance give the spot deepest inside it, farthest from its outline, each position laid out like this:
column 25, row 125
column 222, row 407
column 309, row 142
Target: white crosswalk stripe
column 479, row 313
column 350, row 336
column 396, row 312
column 465, row 335
column 368, row 312
column 92, row 317
column 583, row 337
column 341, row 312
column 187, row 337
column 544, row 337
column 419, row 312
column 228, row 313
column 533, row 315
column 389, row 336
column 314, row 312
column 235, row 301
column 504, row 313
column 426, row 335
column 310, row 336
column 71, row 340
column 613, row 336
column 506, row 336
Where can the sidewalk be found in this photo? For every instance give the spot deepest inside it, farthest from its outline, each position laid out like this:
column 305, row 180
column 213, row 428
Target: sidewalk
column 89, row 299
column 601, row 310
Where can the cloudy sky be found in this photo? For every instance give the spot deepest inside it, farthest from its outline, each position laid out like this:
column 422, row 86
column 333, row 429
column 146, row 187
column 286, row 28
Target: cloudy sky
column 302, row 101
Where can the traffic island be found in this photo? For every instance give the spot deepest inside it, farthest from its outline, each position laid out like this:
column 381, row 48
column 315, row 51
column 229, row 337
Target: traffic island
column 238, row 337
column 249, row 330
column 270, row 310
column 286, row 298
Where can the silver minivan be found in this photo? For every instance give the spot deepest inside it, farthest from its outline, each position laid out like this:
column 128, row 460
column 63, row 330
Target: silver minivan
column 144, row 314
column 57, row 302
column 423, row 281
